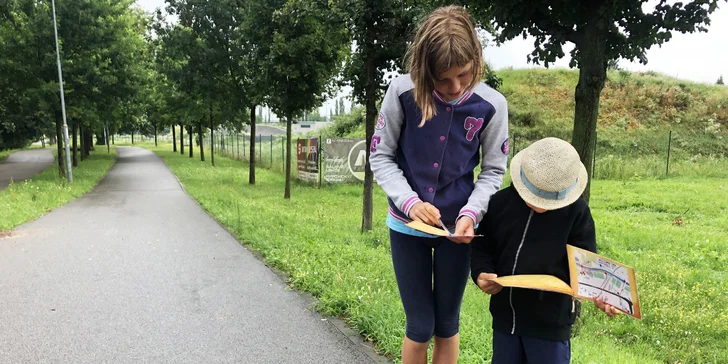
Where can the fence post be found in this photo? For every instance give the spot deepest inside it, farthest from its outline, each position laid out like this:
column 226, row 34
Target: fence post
column 271, row 151
column 260, row 149
column 243, row 145
column 320, row 154
column 669, row 142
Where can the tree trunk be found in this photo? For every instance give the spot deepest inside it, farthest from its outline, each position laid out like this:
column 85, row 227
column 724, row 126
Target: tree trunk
column 201, row 140
column 190, row 147
column 132, row 137
column 212, row 139
column 89, row 144
column 112, row 140
column 289, row 121
column 59, row 144
column 155, row 135
column 371, row 114
column 101, row 139
column 174, row 139
column 106, row 136
column 82, row 141
column 592, row 75
column 74, row 144
column 181, row 139
column 251, row 175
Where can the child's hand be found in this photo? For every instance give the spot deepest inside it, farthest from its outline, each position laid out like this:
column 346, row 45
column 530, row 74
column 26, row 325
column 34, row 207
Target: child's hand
column 607, row 308
column 487, row 285
column 465, row 226
column 425, row 212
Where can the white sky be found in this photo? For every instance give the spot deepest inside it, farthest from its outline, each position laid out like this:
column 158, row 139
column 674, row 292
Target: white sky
column 700, row 57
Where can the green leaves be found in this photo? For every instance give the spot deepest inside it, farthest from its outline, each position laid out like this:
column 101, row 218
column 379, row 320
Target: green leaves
column 628, row 29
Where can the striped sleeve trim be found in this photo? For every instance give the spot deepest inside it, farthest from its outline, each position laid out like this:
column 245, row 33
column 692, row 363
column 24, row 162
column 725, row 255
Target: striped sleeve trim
column 397, row 217
column 407, row 205
column 469, row 213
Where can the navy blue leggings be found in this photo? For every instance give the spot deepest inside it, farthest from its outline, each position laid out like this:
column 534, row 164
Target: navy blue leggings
column 431, row 308
column 512, row 349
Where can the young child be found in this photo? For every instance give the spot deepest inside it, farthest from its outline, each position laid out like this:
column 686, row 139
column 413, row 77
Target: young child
column 436, row 125
column 526, row 230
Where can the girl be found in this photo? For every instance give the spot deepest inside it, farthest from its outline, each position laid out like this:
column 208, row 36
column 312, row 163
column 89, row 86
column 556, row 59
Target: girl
column 434, row 126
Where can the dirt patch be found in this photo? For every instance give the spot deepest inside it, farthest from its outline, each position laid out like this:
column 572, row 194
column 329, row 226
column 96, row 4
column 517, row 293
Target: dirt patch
column 4, row 234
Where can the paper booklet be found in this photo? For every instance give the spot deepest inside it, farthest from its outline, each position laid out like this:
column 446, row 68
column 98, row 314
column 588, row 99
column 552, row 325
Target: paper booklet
column 592, row 275
column 434, row 230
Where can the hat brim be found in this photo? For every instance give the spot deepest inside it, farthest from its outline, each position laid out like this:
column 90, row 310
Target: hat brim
column 540, row 202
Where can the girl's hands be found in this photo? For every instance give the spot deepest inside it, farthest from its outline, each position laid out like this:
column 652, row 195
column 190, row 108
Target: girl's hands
column 465, row 226
column 425, row 212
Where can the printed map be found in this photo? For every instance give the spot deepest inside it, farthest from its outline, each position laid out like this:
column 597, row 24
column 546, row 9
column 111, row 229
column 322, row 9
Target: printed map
column 606, row 280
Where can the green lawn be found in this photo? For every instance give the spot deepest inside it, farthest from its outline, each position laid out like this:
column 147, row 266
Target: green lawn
column 6, row 153
column 30, row 199
column 314, row 238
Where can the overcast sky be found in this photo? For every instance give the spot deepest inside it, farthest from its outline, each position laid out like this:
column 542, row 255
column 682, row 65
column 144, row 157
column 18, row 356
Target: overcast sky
column 700, row 57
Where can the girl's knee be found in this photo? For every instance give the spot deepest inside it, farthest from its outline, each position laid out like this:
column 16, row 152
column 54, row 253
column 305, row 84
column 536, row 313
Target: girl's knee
column 447, row 328
column 420, row 333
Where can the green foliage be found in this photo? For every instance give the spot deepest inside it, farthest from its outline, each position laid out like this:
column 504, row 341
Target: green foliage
column 627, row 30
column 347, row 125
column 637, row 111
column 308, row 46
column 100, row 46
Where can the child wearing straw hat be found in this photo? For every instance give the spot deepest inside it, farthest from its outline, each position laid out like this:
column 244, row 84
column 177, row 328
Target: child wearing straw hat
column 525, row 231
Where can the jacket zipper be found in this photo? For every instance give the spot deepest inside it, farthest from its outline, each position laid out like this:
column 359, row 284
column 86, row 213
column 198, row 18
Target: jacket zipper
column 513, row 272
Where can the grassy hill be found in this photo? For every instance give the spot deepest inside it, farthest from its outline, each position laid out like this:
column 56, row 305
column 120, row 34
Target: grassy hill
column 637, row 113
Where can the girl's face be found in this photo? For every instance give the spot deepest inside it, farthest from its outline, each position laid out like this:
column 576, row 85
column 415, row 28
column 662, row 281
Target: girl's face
column 451, row 83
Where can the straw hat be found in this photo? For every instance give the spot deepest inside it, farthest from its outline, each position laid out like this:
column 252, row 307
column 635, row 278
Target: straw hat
column 549, row 174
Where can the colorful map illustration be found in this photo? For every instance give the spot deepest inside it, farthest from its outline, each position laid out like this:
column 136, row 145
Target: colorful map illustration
column 607, row 280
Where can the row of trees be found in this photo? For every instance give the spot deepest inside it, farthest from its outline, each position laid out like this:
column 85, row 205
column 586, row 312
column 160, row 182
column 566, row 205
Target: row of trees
column 105, row 75
column 219, row 61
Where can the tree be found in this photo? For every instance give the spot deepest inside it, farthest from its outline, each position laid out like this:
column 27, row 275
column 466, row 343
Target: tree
column 380, row 29
column 720, row 80
column 99, row 43
column 308, row 46
column 601, row 31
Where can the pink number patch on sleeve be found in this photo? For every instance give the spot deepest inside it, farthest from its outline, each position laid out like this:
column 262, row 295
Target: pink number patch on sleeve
column 380, row 122
column 375, row 140
column 472, row 125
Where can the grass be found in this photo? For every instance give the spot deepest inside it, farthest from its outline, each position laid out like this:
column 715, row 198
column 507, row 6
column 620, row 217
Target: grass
column 6, row 153
column 30, row 199
column 314, row 238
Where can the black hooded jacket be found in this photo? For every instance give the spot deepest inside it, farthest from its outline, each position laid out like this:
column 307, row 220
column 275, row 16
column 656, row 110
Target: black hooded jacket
column 518, row 240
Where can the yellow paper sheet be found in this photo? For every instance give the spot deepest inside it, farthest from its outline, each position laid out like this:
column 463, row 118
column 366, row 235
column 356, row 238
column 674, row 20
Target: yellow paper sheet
column 433, row 230
column 535, row 281
column 429, row 229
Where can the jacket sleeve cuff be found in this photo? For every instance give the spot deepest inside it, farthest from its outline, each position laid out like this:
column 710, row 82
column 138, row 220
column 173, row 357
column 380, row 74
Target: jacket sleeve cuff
column 409, row 203
column 469, row 213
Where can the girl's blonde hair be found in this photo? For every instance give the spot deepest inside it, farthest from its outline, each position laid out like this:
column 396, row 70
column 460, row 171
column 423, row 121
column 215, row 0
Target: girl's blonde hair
column 445, row 39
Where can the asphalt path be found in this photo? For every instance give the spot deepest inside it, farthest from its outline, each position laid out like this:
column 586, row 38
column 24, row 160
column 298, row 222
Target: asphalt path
column 136, row 272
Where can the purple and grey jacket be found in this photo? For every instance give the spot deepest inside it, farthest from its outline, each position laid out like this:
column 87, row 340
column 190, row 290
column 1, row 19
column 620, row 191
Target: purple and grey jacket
column 435, row 163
